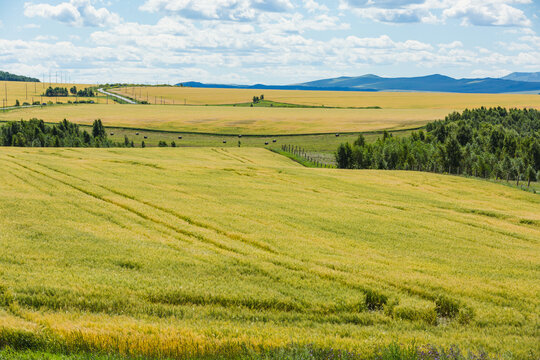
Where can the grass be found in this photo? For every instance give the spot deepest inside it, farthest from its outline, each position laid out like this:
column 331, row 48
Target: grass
column 344, row 99
column 200, row 252
column 269, row 103
column 321, row 146
column 393, row 351
column 231, row 120
column 30, row 92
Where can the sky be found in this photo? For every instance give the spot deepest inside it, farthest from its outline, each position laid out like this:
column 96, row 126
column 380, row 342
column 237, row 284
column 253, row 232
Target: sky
column 266, row 41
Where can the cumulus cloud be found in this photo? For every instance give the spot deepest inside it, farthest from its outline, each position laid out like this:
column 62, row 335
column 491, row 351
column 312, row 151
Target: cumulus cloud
column 273, row 41
column 236, row 10
column 313, row 6
column 74, row 13
column 470, row 12
column 488, row 13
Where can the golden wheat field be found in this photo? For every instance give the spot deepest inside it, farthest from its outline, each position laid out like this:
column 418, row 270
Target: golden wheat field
column 31, row 91
column 388, row 100
column 171, row 252
column 231, row 120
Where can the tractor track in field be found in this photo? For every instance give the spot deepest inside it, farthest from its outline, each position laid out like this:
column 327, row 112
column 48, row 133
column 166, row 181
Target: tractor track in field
column 296, row 265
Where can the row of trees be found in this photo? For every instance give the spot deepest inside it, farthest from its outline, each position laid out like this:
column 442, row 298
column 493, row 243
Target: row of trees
column 57, row 91
column 257, row 99
column 60, row 91
column 35, row 133
column 490, row 143
column 87, row 92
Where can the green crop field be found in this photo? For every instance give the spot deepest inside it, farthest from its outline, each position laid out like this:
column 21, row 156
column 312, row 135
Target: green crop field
column 231, row 120
column 178, row 252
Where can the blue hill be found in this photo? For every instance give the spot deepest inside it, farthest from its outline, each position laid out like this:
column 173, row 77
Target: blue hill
column 524, row 76
column 431, row 83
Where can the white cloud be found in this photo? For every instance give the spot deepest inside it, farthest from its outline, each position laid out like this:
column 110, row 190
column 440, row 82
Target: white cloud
column 74, row 12
column 453, row 45
column 313, row 6
column 495, row 73
column 236, row 10
column 46, row 38
column 272, row 5
column 245, row 41
column 470, row 12
column 488, row 13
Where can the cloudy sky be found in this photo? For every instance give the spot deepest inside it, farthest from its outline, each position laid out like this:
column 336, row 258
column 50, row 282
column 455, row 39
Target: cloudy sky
column 267, row 41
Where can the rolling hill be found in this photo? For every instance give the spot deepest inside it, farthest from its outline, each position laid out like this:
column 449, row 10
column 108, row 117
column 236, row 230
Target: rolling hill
column 5, row 76
column 183, row 252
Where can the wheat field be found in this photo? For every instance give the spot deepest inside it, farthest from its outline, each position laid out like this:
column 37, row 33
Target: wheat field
column 387, row 100
column 172, row 252
column 231, row 120
column 30, row 92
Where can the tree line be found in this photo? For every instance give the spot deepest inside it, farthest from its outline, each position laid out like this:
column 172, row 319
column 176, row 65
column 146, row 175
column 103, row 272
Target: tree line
column 35, row 133
column 62, row 92
column 5, row 76
column 490, row 143
column 87, row 92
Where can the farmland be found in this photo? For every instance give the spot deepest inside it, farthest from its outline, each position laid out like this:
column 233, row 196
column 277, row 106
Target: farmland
column 231, row 120
column 170, row 252
column 344, row 99
column 31, row 91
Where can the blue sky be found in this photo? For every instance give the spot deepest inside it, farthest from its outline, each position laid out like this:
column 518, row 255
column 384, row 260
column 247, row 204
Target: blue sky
column 267, row 41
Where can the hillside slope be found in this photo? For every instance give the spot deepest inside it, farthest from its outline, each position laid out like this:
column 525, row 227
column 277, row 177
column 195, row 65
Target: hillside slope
column 179, row 251
column 523, row 76
column 5, row 76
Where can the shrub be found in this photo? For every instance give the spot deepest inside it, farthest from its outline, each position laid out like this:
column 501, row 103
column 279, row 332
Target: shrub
column 162, row 144
column 375, row 300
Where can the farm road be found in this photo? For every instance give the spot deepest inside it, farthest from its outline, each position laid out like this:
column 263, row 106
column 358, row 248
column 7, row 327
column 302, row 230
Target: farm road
column 129, row 101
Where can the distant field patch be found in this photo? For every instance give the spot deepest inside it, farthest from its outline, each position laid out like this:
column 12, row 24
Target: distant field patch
column 386, row 100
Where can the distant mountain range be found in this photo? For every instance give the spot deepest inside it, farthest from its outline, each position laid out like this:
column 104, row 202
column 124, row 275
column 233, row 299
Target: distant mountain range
column 516, row 82
column 523, row 76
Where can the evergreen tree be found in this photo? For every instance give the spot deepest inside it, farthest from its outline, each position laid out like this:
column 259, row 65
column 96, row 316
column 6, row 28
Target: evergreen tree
column 98, row 131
